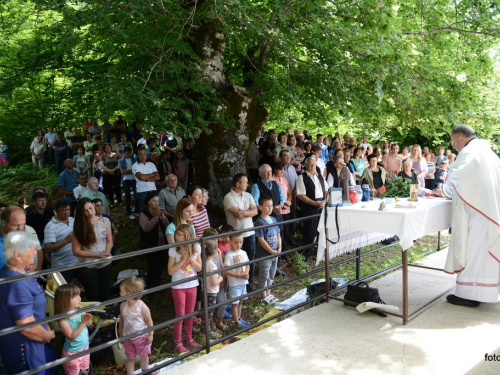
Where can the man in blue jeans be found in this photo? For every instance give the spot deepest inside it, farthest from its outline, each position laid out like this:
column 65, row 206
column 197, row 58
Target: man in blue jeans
column 128, row 180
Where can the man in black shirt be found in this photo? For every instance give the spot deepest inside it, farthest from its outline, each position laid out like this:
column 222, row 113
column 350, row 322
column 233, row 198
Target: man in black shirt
column 37, row 217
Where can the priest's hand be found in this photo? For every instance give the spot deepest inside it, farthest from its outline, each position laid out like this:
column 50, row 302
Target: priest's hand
column 437, row 193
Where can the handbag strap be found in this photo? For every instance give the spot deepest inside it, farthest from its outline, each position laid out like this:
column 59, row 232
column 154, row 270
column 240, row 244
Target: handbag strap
column 363, row 282
column 336, row 223
column 120, row 344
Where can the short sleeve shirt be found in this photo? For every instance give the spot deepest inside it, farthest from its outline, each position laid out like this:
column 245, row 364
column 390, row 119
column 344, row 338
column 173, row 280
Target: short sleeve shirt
column 147, row 168
column 186, row 270
column 269, row 234
column 68, row 181
column 233, row 258
column 56, row 231
column 214, row 289
column 243, row 201
column 100, row 228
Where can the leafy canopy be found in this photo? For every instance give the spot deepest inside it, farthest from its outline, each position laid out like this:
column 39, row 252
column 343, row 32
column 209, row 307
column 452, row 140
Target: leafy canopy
column 380, row 67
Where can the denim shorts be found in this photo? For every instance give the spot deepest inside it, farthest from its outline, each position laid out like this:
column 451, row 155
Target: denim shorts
column 236, row 291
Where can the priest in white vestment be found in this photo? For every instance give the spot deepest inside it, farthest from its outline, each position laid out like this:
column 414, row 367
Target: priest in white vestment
column 473, row 183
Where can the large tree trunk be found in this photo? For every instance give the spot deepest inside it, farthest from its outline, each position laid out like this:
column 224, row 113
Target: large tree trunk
column 222, row 153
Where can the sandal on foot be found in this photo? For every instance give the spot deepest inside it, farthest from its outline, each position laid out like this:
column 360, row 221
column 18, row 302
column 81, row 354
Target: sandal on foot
column 197, row 321
column 215, row 335
column 222, row 326
column 180, row 348
column 194, row 344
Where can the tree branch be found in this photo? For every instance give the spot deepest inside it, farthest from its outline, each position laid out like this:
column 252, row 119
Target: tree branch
column 451, row 29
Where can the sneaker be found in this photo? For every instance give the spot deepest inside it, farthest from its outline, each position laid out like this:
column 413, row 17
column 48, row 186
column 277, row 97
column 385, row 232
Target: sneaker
column 273, row 299
column 266, row 300
column 242, row 325
column 244, row 322
column 131, row 217
column 227, row 315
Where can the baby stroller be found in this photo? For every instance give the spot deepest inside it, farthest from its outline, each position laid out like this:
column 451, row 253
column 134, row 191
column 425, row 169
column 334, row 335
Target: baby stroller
column 103, row 321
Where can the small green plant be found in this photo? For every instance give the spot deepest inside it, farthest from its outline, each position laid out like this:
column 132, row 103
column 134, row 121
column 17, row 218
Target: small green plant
column 396, row 186
column 298, row 264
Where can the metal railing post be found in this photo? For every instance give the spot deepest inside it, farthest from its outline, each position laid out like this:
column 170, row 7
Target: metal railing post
column 203, row 282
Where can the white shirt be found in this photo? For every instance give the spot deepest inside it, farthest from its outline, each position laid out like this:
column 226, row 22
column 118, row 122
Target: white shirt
column 186, row 270
column 51, row 138
column 233, row 258
column 243, row 201
column 320, row 163
column 68, row 133
column 147, row 168
column 79, row 190
column 301, row 188
column 38, row 147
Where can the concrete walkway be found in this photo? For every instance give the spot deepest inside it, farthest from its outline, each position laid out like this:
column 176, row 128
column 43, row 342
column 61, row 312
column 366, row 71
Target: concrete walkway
column 335, row 339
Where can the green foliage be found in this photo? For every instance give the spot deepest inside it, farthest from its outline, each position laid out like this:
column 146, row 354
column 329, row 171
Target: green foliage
column 19, row 181
column 297, row 263
column 396, row 186
column 372, row 67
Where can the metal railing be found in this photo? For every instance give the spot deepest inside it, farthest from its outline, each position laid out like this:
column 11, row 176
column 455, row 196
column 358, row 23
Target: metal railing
column 201, row 276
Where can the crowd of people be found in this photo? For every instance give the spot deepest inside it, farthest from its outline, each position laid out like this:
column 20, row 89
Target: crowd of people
column 290, row 174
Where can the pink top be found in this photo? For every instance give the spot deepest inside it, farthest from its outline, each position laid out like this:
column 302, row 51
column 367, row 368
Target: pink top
column 284, row 185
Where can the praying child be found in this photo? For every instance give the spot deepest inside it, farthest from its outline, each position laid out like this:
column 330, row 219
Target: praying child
column 237, row 277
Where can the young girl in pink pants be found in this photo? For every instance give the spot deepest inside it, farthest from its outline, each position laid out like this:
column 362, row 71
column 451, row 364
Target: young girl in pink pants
column 183, row 262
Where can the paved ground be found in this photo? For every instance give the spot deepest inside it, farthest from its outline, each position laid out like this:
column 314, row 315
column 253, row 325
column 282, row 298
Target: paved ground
column 334, row 339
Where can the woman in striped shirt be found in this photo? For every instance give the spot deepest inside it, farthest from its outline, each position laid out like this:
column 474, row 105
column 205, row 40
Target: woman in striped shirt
column 199, row 219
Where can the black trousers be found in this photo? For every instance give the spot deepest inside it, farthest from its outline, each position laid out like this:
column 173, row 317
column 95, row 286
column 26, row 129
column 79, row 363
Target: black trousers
column 156, row 265
column 310, row 229
column 96, row 282
column 110, row 183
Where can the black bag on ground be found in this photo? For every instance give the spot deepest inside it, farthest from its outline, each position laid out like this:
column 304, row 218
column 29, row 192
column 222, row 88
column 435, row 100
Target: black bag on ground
column 315, row 290
column 359, row 293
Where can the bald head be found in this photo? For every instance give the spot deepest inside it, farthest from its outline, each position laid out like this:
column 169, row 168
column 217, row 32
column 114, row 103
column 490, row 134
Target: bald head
column 265, row 172
column 93, row 184
column 13, row 219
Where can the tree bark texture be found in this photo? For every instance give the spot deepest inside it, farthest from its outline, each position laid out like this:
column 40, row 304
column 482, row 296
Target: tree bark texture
column 222, row 154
